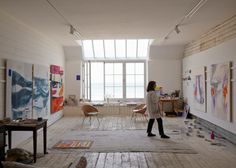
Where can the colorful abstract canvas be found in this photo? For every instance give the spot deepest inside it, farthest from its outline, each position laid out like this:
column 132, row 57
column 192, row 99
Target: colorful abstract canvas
column 40, row 91
column 220, row 91
column 199, row 100
column 19, row 90
column 73, row 144
column 57, row 90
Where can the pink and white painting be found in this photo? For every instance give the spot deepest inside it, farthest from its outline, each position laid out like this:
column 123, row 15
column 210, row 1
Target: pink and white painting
column 57, row 90
column 199, row 99
column 220, row 90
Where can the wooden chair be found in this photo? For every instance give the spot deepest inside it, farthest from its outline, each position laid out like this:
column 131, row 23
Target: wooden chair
column 139, row 110
column 90, row 111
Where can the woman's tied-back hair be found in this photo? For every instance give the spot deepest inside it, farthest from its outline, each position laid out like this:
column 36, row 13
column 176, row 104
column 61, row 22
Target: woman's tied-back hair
column 151, row 86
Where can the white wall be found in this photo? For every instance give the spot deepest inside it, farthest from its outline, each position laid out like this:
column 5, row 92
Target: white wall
column 222, row 53
column 22, row 43
column 164, row 67
column 73, row 62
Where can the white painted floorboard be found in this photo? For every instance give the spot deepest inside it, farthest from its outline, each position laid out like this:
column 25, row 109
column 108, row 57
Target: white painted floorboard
column 208, row 156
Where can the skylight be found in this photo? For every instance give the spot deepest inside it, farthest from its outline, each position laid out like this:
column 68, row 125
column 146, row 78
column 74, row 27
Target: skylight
column 115, row 49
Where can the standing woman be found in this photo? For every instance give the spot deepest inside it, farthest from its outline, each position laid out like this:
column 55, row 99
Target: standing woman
column 153, row 109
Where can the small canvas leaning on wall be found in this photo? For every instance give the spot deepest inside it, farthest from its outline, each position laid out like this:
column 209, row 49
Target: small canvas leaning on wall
column 41, row 91
column 56, row 88
column 199, row 92
column 19, row 90
column 220, row 91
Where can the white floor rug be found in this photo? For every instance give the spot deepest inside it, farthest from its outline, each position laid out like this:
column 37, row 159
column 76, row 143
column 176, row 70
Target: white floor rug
column 127, row 141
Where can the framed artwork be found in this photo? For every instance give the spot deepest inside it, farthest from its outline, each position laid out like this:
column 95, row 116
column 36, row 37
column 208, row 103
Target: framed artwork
column 19, row 90
column 57, row 89
column 199, row 89
column 41, row 91
column 220, row 90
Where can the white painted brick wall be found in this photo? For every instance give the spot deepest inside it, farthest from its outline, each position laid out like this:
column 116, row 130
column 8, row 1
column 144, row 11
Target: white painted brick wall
column 22, row 43
column 215, row 36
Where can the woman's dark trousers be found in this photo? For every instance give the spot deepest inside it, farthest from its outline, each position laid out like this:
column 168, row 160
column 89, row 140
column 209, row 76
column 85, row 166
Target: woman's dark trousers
column 160, row 126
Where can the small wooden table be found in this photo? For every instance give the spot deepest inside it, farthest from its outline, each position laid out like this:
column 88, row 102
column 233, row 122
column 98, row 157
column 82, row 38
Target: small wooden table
column 30, row 125
column 171, row 100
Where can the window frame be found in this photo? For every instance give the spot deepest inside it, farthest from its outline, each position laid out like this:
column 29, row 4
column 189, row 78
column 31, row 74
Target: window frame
column 124, row 98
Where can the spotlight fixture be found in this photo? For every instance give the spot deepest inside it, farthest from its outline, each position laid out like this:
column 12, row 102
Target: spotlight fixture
column 177, row 29
column 72, row 29
column 188, row 16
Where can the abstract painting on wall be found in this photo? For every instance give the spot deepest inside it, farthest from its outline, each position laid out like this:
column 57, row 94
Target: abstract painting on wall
column 19, row 90
column 199, row 99
column 40, row 91
column 56, row 88
column 220, row 91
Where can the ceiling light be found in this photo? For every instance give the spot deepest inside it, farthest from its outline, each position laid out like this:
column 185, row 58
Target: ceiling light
column 72, row 29
column 177, row 29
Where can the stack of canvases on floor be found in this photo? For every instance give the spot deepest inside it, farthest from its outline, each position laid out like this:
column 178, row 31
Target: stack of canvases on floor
column 56, row 88
column 27, row 90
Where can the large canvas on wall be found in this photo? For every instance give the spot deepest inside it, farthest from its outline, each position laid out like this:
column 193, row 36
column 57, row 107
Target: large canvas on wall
column 56, row 88
column 41, row 91
column 220, row 90
column 19, row 90
column 199, row 99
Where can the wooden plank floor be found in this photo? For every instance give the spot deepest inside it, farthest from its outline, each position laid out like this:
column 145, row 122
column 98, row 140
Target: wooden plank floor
column 208, row 156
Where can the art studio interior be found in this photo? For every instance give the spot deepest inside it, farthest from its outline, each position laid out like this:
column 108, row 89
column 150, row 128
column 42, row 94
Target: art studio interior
column 74, row 77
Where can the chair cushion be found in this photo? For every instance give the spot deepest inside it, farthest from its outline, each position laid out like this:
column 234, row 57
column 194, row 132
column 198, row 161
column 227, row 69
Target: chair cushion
column 92, row 113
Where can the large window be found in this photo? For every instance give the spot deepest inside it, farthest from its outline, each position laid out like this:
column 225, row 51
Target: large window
column 115, row 49
column 114, row 80
column 97, row 81
column 134, row 80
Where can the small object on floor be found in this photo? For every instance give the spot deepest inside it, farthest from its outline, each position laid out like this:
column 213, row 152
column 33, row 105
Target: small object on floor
column 216, row 144
column 208, row 140
column 165, row 136
column 82, row 163
column 188, row 134
column 212, row 135
column 19, row 155
column 175, row 131
column 200, row 136
column 190, row 129
column 186, row 122
column 151, row 135
column 200, row 128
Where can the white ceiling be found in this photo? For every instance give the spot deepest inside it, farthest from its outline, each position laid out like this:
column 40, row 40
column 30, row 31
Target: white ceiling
column 112, row 19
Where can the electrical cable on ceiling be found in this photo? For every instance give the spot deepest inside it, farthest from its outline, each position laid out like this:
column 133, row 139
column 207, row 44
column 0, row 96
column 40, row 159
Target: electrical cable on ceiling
column 73, row 31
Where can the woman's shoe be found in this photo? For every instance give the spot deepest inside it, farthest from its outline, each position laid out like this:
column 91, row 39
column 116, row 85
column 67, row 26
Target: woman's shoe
column 165, row 136
column 151, row 135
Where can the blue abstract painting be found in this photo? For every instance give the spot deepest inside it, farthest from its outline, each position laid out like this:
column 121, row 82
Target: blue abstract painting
column 40, row 91
column 19, row 90
column 21, row 96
